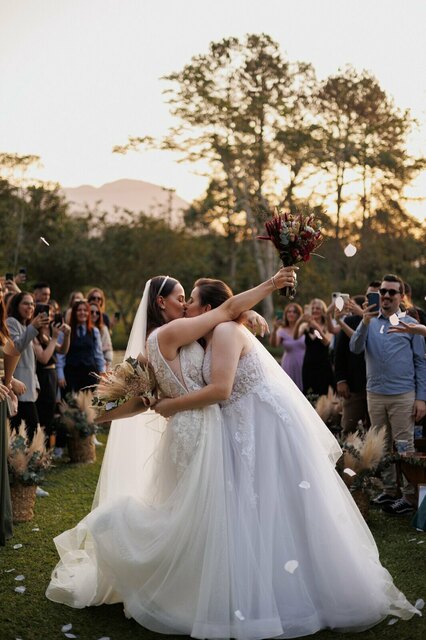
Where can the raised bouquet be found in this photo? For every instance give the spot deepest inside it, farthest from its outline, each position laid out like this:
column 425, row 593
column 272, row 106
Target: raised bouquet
column 295, row 236
column 129, row 388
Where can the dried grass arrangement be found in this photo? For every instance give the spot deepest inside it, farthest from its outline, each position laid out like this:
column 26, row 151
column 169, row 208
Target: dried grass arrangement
column 329, row 408
column 27, row 463
column 78, row 415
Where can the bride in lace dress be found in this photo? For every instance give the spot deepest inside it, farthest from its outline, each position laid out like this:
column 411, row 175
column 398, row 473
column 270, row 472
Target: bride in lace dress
column 159, row 539
column 301, row 557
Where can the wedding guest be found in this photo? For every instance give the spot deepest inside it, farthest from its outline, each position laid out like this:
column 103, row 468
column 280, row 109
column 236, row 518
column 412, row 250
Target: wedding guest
column 84, row 357
column 294, row 348
column 8, row 360
column 317, row 373
column 97, row 321
column 98, row 296
column 51, row 340
column 74, row 296
column 23, row 328
column 41, row 293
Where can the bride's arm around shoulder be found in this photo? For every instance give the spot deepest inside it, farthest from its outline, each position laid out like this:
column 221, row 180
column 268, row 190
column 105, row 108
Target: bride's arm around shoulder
column 183, row 331
column 227, row 345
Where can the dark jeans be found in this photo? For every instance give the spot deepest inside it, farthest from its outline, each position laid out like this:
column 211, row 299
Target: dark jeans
column 27, row 412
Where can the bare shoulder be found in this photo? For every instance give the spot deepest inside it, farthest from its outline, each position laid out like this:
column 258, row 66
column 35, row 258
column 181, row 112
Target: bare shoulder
column 227, row 329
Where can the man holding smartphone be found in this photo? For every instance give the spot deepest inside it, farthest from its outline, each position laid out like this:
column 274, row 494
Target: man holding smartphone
column 396, row 383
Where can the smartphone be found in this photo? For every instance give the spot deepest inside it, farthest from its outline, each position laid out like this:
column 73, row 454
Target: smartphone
column 9, row 276
column 335, row 295
column 58, row 319
column 41, row 308
column 374, row 298
column 117, row 315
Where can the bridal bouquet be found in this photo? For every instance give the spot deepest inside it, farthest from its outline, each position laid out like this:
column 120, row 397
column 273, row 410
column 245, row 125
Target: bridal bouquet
column 129, row 388
column 295, row 236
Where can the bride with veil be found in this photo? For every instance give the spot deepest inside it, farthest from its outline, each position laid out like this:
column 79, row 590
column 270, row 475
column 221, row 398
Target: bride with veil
column 213, row 528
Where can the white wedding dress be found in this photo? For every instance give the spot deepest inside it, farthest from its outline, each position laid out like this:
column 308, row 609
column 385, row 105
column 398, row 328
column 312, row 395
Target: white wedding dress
column 244, row 529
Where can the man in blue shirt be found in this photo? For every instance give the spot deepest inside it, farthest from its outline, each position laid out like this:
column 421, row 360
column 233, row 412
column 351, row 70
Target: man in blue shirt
column 396, row 382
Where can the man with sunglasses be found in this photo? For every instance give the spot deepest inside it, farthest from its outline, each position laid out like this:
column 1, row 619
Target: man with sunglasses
column 396, row 383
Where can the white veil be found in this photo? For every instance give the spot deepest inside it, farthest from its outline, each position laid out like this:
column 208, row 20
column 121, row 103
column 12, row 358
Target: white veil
column 129, row 458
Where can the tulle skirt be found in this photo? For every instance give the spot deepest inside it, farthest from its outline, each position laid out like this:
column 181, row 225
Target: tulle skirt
column 246, row 532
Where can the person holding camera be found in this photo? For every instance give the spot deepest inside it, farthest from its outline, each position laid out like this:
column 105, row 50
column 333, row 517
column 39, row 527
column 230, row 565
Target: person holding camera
column 23, row 328
column 396, row 382
column 52, row 339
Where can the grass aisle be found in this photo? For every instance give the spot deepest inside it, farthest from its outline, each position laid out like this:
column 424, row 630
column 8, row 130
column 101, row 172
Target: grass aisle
column 30, row 616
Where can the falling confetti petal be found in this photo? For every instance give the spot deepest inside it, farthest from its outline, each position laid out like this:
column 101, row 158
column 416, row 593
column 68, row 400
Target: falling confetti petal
column 45, row 241
column 420, row 542
column 20, row 589
column 9, row 570
column 420, row 603
column 17, row 546
column 35, row 529
column 105, row 638
column 66, row 627
column 305, row 484
column 392, row 621
column 382, row 328
column 239, row 615
column 317, row 334
column 412, row 539
column 19, row 578
column 349, row 472
column 350, row 250
column 70, row 635
column 339, row 303
column 291, row 566
column 394, row 320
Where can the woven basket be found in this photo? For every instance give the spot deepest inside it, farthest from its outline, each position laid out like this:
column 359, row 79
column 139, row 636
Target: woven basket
column 81, row 449
column 362, row 500
column 23, row 500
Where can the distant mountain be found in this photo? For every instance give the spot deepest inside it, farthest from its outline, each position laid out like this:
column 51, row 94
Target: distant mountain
column 130, row 195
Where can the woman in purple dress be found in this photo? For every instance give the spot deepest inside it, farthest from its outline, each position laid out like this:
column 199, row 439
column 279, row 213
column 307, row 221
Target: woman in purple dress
column 294, row 349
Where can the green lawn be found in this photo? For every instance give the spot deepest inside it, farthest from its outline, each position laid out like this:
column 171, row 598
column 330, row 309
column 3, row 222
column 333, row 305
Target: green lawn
column 30, row 616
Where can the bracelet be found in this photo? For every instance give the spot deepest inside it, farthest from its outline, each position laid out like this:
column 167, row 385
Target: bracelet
column 273, row 282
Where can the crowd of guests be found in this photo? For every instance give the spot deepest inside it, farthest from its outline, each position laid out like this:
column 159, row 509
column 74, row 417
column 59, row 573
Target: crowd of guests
column 61, row 351
column 373, row 358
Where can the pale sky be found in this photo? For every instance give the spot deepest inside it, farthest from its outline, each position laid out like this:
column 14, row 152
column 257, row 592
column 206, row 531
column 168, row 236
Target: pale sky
column 79, row 76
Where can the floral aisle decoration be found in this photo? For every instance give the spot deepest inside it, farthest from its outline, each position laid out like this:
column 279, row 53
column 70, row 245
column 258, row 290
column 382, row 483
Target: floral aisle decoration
column 363, row 459
column 295, row 237
column 27, row 463
column 129, row 388
column 78, row 416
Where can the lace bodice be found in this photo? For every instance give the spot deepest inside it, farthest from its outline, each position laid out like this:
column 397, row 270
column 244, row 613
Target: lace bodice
column 191, row 363
column 248, row 376
column 184, row 429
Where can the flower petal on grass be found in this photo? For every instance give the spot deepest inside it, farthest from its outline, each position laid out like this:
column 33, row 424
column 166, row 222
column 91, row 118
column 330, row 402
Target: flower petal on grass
column 66, row 627
column 20, row 589
column 291, row 566
column 17, row 546
column 349, row 472
column 392, row 621
column 20, row 578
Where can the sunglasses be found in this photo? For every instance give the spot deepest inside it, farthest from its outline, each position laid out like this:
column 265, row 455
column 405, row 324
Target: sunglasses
column 95, row 298
column 391, row 292
column 95, row 313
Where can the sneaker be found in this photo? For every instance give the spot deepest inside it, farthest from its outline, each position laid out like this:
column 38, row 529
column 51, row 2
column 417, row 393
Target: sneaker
column 382, row 499
column 399, row 507
column 41, row 493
